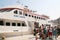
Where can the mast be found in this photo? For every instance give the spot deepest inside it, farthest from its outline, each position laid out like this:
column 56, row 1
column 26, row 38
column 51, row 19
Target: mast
column 18, row 2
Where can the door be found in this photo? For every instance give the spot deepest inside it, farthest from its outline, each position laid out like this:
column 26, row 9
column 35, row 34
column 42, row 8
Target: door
column 31, row 26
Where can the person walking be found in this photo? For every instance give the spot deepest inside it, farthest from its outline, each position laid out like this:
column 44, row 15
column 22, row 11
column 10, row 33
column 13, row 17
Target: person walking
column 43, row 32
column 40, row 32
column 50, row 33
column 55, row 33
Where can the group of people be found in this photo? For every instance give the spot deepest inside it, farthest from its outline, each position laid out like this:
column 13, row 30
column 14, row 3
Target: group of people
column 45, row 32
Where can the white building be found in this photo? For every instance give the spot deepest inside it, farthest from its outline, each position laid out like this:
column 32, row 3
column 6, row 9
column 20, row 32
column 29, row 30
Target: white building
column 19, row 20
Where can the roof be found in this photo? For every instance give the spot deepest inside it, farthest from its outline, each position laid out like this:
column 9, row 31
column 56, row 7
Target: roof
column 9, row 8
column 26, row 10
column 45, row 16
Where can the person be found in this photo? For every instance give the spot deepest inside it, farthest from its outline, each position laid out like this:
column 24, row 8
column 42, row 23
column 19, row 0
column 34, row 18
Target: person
column 43, row 32
column 40, row 32
column 58, row 31
column 47, row 31
column 55, row 33
column 35, row 31
column 50, row 33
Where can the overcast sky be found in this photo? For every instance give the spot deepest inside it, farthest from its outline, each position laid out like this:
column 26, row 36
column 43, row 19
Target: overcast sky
column 46, row 7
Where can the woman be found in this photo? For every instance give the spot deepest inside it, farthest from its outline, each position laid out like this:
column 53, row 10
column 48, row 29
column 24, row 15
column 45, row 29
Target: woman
column 43, row 32
column 50, row 33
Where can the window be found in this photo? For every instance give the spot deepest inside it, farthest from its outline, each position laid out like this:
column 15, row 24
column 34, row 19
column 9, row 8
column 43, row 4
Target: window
column 43, row 18
column 32, row 15
column 29, row 15
column 20, row 12
column 13, row 24
column 39, row 17
column 7, row 23
column 25, row 14
column 16, row 12
column 23, row 24
column 18, row 24
column 1, row 23
column 35, row 16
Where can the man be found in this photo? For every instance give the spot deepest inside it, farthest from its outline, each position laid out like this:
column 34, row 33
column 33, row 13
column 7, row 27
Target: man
column 55, row 33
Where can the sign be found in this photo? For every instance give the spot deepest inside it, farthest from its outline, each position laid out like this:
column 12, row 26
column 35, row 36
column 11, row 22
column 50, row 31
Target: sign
column 19, row 16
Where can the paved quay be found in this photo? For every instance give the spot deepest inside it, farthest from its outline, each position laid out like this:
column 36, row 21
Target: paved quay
column 26, row 37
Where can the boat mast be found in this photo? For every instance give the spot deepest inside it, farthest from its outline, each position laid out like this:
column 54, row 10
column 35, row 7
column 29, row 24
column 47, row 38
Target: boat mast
column 18, row 2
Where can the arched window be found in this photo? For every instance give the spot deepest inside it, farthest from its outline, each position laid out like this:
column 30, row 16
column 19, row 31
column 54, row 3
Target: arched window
column 25, row 14
column 29, row 15
column 15, row 12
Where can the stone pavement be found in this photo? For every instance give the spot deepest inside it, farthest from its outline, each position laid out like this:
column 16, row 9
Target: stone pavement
column 26, row 37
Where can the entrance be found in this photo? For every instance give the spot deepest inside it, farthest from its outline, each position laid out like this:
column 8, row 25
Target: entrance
column 36, row 24
column 31, row 26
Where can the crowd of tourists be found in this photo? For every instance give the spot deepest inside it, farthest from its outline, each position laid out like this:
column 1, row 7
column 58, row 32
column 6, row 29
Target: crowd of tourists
column 45, row 33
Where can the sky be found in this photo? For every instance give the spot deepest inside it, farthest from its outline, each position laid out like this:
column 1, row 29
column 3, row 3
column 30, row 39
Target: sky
column 50, row 8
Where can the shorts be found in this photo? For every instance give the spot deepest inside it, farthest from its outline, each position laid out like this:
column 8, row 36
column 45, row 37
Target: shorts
column 50, row 34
